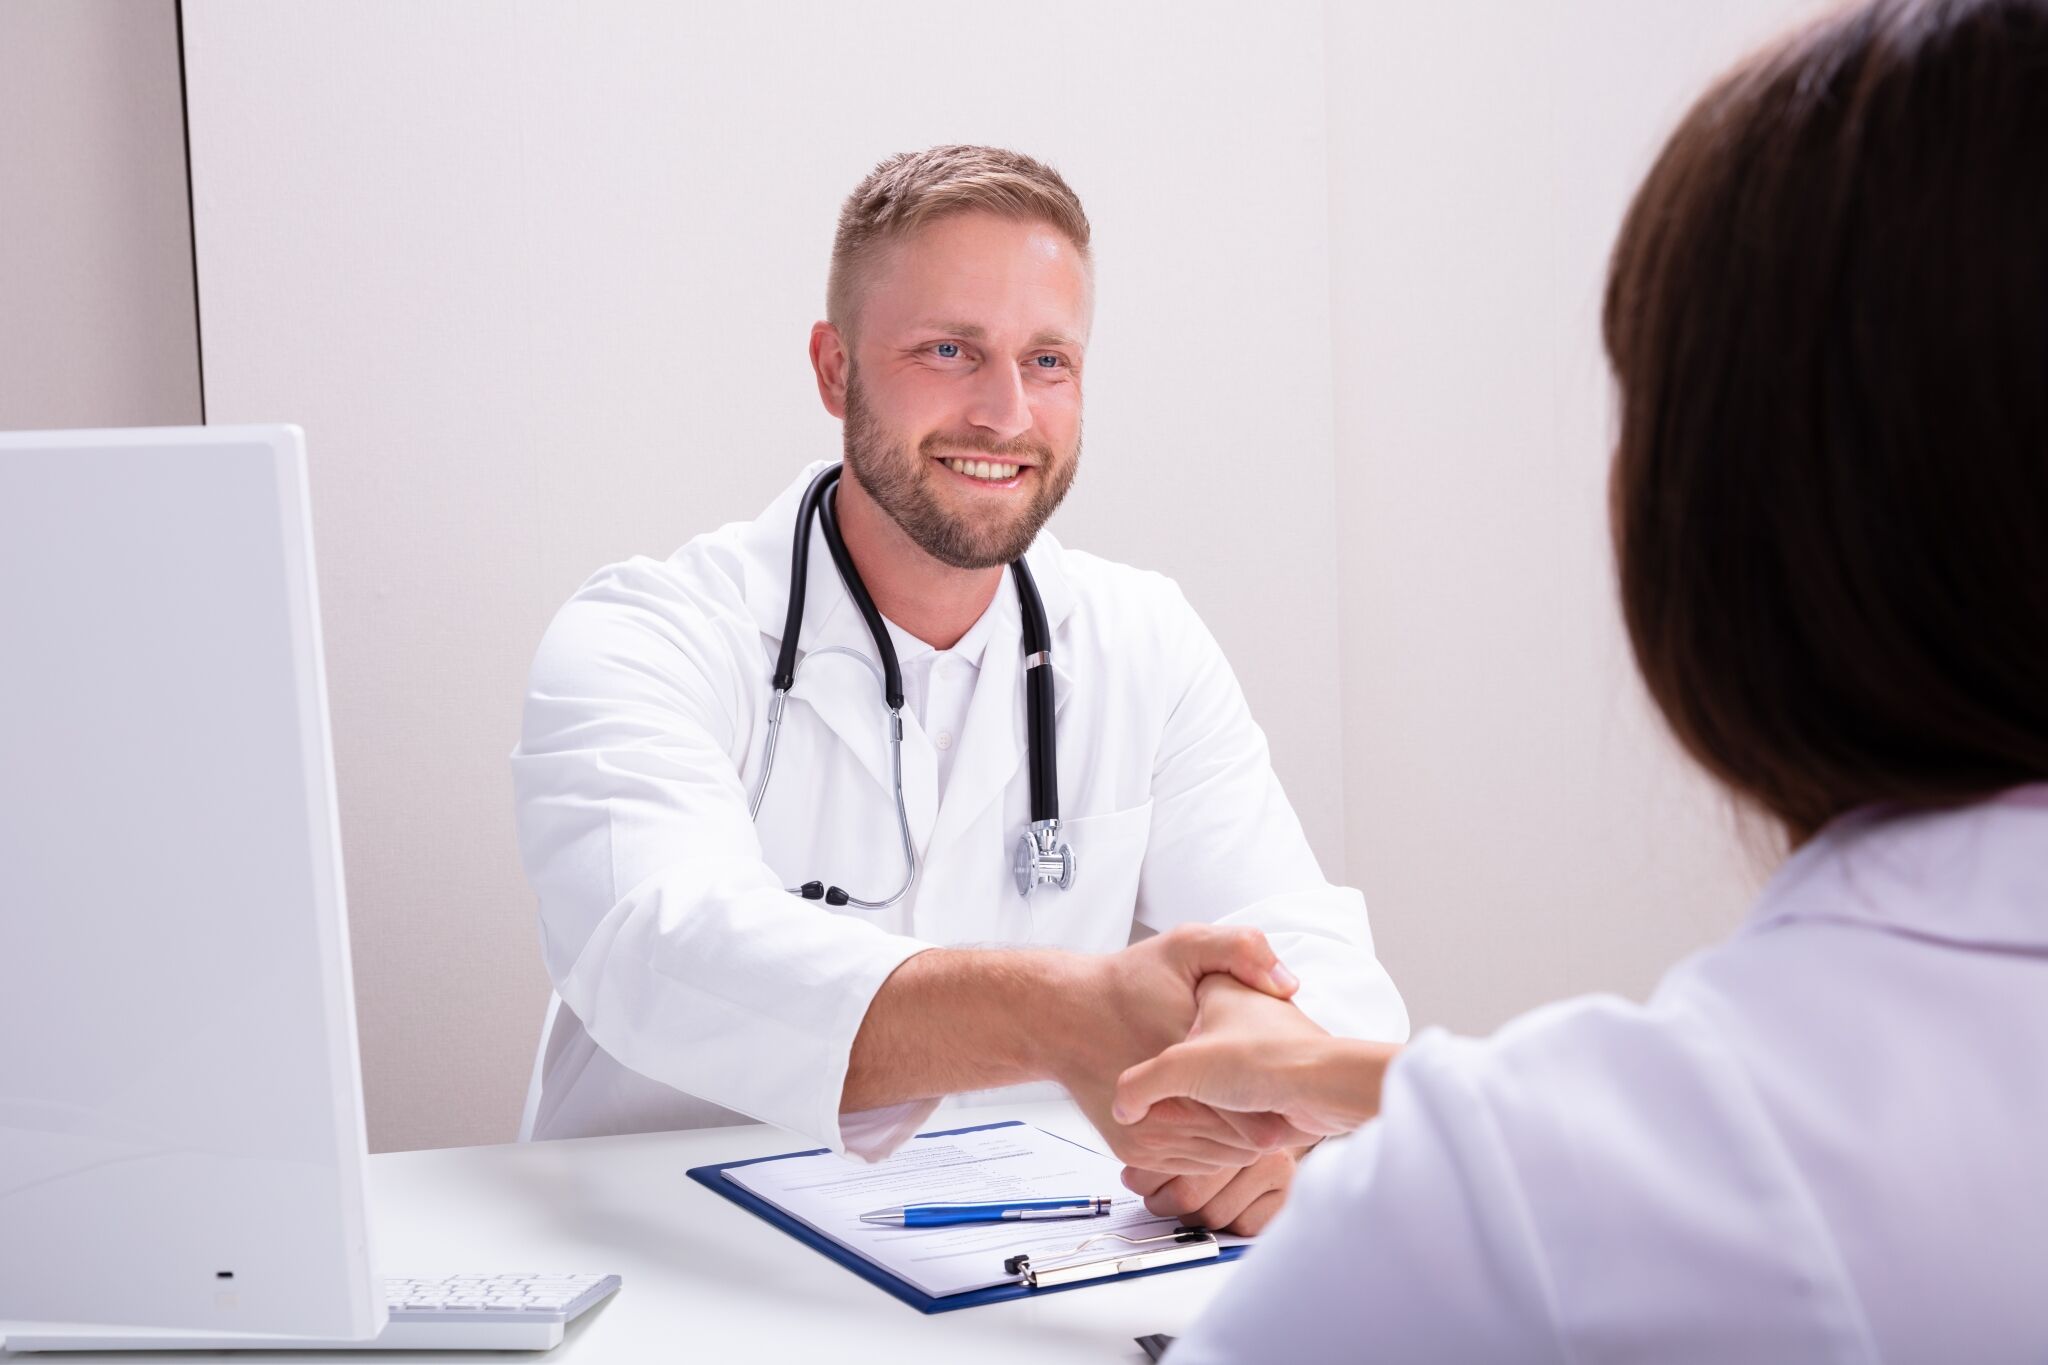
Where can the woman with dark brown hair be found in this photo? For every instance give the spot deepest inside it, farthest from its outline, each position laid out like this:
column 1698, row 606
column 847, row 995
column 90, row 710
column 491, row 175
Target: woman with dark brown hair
column 1827, row 1138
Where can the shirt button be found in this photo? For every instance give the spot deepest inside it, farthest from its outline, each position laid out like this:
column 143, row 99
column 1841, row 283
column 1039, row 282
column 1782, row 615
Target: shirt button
column 945, row 739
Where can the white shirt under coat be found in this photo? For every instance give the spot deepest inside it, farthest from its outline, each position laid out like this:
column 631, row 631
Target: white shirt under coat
column 1823, row 1140
column 695, row 988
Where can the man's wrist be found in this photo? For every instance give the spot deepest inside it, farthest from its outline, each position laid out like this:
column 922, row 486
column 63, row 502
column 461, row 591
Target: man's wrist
column 954, row 1019
column 1067, row 1013
column 1047, row 994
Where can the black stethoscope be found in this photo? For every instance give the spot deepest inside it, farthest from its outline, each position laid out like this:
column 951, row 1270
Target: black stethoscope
column 1042, row 857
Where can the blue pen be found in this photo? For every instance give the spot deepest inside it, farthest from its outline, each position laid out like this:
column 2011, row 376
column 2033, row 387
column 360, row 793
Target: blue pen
column 943, row 1215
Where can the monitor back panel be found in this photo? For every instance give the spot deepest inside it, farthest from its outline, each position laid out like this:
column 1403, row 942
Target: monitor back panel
column 181, row 1135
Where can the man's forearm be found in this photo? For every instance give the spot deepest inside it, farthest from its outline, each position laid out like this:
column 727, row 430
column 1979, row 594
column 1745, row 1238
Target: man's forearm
column 956, row 1019
column 949, row 1020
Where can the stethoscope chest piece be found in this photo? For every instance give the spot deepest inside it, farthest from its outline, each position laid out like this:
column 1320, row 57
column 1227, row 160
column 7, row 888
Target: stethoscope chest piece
column 1043, row 858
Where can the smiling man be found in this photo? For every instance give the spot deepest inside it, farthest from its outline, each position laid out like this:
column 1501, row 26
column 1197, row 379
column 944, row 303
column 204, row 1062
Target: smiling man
column 693, row 983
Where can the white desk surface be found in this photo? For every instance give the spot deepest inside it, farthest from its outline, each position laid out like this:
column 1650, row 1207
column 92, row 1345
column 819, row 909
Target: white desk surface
column 704, row 1281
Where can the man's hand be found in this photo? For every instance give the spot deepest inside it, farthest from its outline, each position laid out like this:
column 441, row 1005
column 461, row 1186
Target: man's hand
column 1250, row 1055
column 1241, row 1201
column 1131, row 1005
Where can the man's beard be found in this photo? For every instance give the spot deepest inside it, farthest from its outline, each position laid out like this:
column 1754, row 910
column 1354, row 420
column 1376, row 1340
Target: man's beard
column 900, row 482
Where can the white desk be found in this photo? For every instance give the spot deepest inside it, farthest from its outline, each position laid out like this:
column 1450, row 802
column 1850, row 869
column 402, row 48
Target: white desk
column 706, row 1282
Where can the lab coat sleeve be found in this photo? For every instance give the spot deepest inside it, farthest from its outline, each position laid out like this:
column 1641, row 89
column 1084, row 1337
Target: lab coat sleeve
column 1411, row 1240
column 1598, row 1180
column 662, row 926
column 1226, row 847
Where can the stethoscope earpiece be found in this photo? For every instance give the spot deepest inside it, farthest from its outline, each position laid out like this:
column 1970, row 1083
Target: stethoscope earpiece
column 1042, row 858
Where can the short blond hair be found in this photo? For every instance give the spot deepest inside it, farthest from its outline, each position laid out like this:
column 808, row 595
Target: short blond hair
column 912, row 189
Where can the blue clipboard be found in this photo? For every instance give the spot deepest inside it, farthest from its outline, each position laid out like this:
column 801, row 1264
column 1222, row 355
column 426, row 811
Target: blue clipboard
column 713, row 1179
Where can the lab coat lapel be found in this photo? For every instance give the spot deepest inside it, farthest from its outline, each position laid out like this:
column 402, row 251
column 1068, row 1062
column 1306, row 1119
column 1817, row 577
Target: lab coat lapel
column 845, row 695
column 1045, row 558
column 993, row 740
column 841, row 691
column 992, row 736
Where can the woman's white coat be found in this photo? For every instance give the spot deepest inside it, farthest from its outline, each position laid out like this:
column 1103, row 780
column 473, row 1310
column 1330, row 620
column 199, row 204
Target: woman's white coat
column 1819, row 1141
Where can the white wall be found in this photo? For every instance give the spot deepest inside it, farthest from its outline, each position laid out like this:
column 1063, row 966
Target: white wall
column 537, row 280
column 1521, row 824
column 96, row 303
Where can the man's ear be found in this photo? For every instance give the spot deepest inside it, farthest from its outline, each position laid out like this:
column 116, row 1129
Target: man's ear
column 830, row 361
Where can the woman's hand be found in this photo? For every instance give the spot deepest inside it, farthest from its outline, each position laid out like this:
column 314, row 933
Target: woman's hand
column 1250, row 1054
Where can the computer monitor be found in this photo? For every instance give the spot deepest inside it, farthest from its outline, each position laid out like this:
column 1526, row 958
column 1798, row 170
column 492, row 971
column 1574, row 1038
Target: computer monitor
column 181, row 1128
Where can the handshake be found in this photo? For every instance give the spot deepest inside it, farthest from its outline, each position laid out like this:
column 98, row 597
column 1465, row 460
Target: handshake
column 1186, row 1052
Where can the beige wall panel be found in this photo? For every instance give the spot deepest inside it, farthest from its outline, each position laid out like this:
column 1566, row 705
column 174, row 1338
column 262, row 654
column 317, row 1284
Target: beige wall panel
column 96, row 305
column 537, row 280
column 1518, row 818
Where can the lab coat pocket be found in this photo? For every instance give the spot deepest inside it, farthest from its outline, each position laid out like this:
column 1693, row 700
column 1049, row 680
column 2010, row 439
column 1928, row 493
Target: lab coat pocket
column 1094, row 914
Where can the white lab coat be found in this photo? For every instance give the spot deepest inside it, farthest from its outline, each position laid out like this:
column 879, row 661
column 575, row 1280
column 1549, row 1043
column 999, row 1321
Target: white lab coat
column 693, row 985
column 1823, row 1140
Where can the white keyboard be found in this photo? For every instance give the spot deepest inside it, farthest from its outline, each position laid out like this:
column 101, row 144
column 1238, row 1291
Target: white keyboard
column 523, row 1312
column 454, row 1311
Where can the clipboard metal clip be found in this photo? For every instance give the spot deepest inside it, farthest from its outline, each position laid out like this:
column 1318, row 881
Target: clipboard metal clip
column 1147, row 1253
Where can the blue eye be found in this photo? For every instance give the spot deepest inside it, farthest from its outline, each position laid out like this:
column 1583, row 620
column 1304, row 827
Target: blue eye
column 948, row 349
column 1048, row 362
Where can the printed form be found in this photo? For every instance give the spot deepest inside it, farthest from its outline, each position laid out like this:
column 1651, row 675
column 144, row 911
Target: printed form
column 828, row 1194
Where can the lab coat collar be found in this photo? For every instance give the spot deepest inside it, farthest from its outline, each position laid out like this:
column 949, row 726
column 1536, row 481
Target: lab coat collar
column 1976, row 876
column 765, row 546
column 992, row 739
column 968, row 649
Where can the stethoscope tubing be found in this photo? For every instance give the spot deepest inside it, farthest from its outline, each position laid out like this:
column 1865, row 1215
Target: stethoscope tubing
column 1038, row 700
column 842, row 559
column 819, row 503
